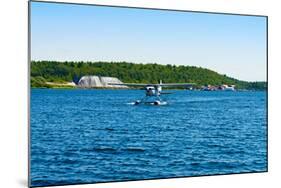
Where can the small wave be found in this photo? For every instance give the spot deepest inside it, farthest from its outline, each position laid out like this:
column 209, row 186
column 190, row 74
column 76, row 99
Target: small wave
column 195, row 164
column 177, row 162
column 53, row 182
column 69, row 161
column 86, row 110
column 104, row 149
column 69, row 154
column 134, row 149
column 109, row 129
column 220, row 164
column 86, row 150
column 130, row 103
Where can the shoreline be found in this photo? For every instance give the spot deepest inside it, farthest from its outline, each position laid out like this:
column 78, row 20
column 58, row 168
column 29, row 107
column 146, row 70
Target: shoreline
column 108, row 88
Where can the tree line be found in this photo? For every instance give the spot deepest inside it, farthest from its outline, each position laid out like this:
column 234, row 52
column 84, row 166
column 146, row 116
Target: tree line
column 59, row 72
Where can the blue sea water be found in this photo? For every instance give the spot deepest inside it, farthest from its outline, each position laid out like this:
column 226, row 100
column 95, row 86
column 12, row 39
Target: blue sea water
column 89, row 136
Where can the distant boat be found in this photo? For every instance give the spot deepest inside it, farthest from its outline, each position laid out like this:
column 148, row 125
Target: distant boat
column 218, row 88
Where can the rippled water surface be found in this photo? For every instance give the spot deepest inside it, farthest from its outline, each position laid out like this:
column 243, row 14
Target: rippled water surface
column 88, row 136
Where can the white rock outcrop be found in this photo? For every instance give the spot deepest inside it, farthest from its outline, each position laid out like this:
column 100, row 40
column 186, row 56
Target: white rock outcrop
column 99, row 81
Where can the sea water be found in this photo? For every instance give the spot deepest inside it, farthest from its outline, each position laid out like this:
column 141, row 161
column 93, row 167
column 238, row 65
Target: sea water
column 90, row 136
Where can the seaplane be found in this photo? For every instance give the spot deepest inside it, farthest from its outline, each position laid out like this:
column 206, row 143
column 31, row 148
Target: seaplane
column 152, row 91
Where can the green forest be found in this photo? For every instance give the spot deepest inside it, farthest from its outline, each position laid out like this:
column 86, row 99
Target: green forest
column 61, row 72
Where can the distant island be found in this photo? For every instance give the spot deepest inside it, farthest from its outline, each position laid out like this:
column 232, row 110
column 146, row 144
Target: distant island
column 55, row 74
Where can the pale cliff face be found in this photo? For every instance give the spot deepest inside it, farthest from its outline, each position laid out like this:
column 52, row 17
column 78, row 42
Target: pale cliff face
column 99, row 81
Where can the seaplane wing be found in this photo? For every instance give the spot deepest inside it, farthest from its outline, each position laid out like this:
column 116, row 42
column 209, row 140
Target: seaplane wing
column 154, row 85
column 129, row 84
column 176, row 85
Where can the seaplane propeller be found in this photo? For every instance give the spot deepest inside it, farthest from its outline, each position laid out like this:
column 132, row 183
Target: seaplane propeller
column 153, row 91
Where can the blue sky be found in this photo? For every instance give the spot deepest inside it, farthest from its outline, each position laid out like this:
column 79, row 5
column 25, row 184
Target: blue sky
column 229, row 44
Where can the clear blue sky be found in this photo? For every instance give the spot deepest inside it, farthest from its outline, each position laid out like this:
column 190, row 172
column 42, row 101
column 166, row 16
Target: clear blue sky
column 229, row 44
